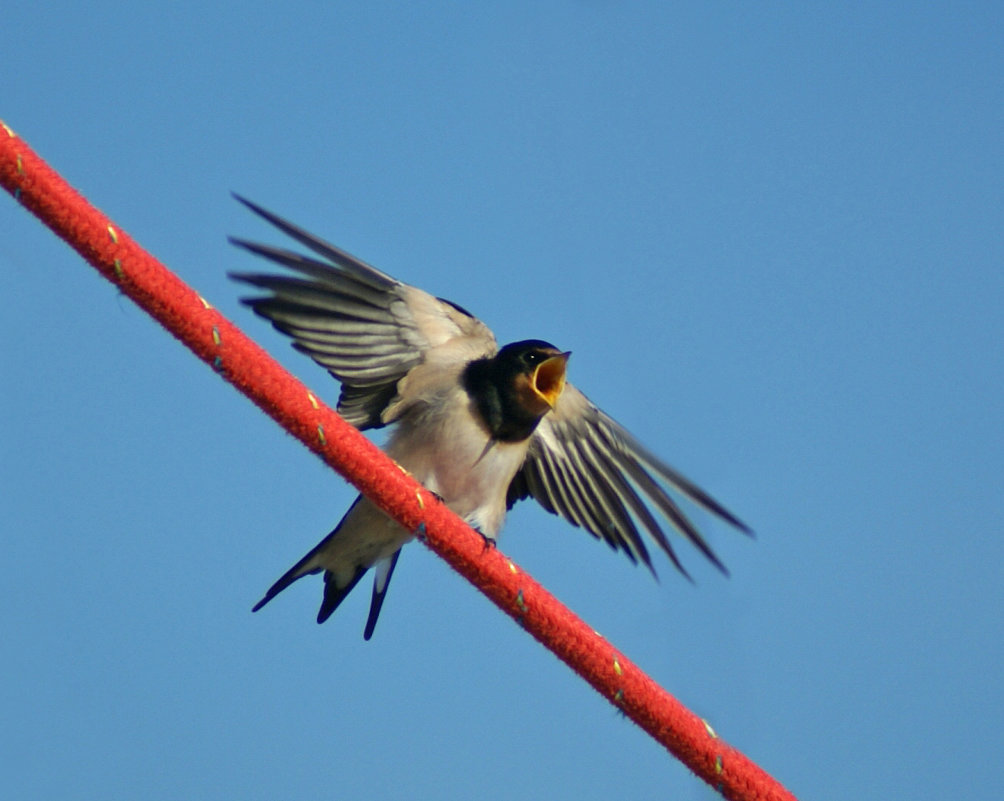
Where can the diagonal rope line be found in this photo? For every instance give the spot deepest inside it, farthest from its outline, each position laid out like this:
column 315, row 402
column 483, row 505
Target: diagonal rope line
column 219, row 343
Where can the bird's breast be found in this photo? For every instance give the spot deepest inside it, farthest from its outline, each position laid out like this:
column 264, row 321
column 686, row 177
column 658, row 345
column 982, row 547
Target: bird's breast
column 445, row 446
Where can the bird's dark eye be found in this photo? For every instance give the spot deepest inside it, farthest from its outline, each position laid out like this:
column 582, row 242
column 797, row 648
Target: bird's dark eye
column 533, row 357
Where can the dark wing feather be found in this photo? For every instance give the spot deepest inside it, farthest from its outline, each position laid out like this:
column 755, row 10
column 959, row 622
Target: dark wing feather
column 585, row 467
column 366, row 328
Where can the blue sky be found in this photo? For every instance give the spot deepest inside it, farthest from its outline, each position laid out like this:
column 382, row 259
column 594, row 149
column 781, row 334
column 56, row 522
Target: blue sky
column 772, row 237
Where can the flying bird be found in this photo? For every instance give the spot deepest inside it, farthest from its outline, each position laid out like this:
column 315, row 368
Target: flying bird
column 481, row 426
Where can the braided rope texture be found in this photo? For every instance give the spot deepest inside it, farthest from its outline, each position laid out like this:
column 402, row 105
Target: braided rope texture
column 220, row 344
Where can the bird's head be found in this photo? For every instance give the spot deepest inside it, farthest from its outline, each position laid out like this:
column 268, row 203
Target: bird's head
column 538, row 372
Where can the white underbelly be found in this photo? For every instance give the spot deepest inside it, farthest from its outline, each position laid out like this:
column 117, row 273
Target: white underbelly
column 448, row 452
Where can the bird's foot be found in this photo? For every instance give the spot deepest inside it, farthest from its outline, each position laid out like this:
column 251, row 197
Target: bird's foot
column 488, row 542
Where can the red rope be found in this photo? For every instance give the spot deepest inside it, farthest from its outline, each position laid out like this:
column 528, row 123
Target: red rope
column 240, row 361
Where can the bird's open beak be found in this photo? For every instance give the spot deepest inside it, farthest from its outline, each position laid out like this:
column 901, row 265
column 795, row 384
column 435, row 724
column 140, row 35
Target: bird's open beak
column 549, row 378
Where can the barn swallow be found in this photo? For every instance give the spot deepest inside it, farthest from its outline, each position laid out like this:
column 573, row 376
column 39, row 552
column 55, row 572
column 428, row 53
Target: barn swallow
column 480, row 426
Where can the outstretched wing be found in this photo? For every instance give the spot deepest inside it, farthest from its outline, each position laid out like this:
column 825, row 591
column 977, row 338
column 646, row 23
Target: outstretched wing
column 366, row 328
column 585, row 467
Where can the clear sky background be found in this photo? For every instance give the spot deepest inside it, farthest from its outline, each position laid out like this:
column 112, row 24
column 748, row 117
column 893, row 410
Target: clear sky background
column 772, row 234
